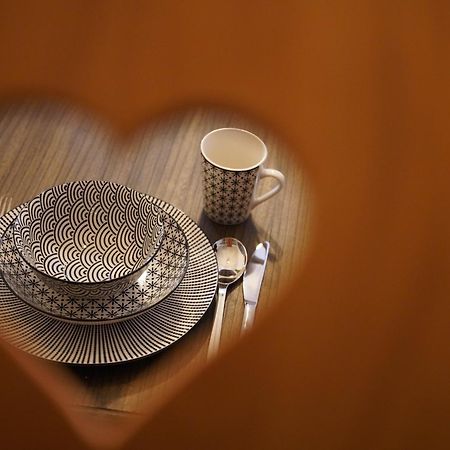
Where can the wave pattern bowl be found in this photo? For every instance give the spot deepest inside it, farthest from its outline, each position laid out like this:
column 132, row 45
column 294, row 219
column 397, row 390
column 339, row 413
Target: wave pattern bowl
column 89, row 239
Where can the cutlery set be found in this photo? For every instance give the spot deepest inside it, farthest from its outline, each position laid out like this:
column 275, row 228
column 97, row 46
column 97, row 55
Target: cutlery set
column 232, row 264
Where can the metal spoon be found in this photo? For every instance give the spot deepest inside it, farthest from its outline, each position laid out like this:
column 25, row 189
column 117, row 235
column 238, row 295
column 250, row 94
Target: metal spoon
column 232, row 259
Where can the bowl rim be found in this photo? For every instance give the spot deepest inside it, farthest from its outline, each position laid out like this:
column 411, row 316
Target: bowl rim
column 89, row 284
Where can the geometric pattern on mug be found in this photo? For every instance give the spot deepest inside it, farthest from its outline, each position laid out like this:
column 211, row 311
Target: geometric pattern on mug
column 227, row 194
column 164, row 273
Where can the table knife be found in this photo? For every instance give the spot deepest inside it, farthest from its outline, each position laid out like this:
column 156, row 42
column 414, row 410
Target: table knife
column 253, row 278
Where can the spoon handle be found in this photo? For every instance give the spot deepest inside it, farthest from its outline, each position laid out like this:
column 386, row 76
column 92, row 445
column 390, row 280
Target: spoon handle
column 217, row 326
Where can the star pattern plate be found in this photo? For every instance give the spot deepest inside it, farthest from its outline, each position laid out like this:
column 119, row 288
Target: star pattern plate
column 139, row 336
column 162, row 276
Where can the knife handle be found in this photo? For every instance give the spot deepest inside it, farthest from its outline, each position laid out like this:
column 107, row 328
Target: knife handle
column 249, row 316
column 217, row 325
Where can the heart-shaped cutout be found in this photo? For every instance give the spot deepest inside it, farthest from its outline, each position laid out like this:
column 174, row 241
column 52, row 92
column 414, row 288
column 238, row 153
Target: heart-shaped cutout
column 164, row 160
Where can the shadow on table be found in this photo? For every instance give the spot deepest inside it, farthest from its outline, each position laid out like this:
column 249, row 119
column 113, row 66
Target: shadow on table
column 248, row 233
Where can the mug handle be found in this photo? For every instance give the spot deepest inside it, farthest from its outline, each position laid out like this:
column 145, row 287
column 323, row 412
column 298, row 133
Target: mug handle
column 263, row 172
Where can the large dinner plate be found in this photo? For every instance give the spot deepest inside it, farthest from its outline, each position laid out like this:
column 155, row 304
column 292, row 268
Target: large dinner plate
column 139, row 336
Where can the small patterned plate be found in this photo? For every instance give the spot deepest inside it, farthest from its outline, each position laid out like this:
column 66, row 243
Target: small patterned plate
column 111, row 342
column 162, row 276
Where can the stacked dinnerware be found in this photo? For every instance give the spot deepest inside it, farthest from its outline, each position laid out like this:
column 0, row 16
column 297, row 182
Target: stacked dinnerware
column 94, row 272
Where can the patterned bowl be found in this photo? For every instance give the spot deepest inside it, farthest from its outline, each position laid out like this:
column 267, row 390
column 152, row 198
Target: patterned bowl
column 89, row 239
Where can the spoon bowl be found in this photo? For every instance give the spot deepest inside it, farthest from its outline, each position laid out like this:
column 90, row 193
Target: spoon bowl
column 231, row 258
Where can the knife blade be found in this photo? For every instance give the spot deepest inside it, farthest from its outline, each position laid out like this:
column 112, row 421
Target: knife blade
column 253, row 278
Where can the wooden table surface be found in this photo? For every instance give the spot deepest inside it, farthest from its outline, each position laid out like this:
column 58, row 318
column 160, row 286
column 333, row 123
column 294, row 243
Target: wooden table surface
column 43, row 143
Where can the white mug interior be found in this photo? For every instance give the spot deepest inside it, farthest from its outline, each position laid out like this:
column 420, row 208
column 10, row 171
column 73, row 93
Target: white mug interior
column 233, row 149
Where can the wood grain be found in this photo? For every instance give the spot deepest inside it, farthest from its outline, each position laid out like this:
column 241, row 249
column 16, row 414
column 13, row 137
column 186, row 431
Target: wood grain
column 43, row 143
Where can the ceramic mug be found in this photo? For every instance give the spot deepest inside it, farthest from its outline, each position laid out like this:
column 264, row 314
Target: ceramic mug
column 232, row 166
